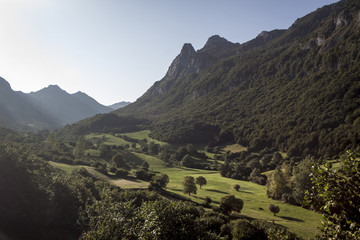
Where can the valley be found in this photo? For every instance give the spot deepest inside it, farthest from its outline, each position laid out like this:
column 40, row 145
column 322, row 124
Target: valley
column 258, row 140
column 306, row 224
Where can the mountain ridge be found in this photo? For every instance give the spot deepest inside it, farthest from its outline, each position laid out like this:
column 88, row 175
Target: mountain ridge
column 48, row 108
column 262, row 93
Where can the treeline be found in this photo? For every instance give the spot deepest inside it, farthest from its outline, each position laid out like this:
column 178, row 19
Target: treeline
column 41, row 202
column 101, row 123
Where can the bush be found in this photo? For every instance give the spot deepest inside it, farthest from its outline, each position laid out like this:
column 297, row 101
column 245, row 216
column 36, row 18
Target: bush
column 244, row 230
column 121, row 173
column 274, row 209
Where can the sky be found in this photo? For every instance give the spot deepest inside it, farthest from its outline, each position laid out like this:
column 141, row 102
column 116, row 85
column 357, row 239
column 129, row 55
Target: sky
column 114, row 50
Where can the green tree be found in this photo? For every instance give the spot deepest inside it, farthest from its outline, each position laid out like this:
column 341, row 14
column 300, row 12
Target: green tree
column 336, row 194
column 200, row 180
column 118, row 161
column 302, row 179
column 145, row 165
column 189, row 185
column 244, row 230
column 237, row 187
column 274, row 209
column 277, row 185
column 230, row 203
column 162, row 180
column 186, row 161
column 79, row 150
column 153, row 148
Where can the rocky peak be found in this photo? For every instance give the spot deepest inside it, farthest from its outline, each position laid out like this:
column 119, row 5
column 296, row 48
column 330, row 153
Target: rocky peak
column 187, row 50
column 216, row 41
column 184, row 63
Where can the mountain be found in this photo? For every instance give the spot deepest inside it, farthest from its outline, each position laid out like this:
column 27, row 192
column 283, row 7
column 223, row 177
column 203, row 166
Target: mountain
column 16, row 111
column 295, row 90
column 66, row 108
column 47, row 108
column 119, row 105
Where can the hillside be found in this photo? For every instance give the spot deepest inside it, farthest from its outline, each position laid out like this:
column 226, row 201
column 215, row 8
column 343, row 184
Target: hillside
column 16, row 111
column 67, row 108
column 119, row 105
column 48, row 108
column 295, row 90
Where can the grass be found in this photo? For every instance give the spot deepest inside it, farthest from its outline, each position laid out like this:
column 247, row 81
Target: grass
column 66, row 167
column 298, row 220
column 303, row 222
column 144, row 135
column 235, row 148
column 108, row 139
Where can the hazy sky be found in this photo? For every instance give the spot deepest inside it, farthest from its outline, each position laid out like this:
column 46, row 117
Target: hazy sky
column 114, row 50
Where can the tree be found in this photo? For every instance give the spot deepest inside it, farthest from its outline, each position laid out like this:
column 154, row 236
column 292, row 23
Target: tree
column 162, row 180
column 244, row 230
column 79, row 150
column 277, row 185
column 118, row 161
column 145, row 166
column 207, row 201
column 237, row 187
column 336, row 194
column 230, row 203
column 255, row 173
column 274, row 209
column 153, row 148
column 189, row 185
column 302, row 179
column 200, row 180
column 186, row 161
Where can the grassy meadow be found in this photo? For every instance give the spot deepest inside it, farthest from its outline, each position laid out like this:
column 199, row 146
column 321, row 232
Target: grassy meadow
column 303, row 222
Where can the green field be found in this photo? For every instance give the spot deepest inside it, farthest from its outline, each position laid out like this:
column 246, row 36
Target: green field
column 299, row 220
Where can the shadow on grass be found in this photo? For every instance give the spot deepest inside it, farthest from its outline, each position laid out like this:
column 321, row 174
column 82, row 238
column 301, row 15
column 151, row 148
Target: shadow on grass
column 245, row 192
column 218, row 191
column 175, row 189
column 291, row 219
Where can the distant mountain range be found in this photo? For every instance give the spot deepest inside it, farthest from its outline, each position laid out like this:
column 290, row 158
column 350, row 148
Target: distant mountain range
column 119, row 105
column 48, row 108
column 295, row 90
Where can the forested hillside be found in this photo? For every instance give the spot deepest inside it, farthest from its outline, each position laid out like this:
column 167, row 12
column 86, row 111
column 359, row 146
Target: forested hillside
column 294, row 90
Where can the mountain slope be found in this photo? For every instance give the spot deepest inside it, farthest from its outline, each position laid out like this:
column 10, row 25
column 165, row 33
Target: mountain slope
column 295, row 90
column 119, row 105
column 48, row 108
column 65, row 107
column 17, row 112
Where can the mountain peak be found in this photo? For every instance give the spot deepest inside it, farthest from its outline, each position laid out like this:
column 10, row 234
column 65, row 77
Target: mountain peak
column 187, row 49
column 4, row 84
column 215, row 41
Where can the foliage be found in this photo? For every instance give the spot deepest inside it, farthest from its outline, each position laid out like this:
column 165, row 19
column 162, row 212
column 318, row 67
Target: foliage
column 230, row 203
column 200, row 180
column 277, row 186
column 118, row 161
column 244, row 230
column 144, row 175
column 237, row 187
column 336, row 194
column 159, row 219
column 189, row 185
column 281, row 90
column 274, row 209
column 302, row 179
